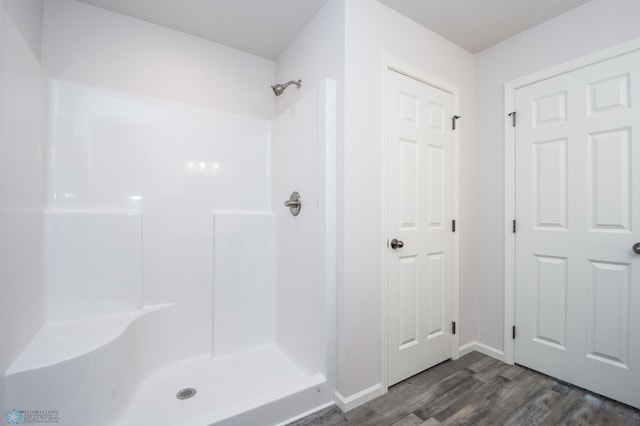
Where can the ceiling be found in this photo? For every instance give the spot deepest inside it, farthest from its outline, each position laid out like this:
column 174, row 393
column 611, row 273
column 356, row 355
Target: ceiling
column 265, row 27
column 262, row 27
column 478, row 24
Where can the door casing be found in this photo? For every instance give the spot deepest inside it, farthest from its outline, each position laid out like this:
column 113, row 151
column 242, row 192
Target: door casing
column 393, row 64
column 510, row 175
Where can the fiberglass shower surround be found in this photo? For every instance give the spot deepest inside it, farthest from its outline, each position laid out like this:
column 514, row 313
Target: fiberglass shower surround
column 165, row 262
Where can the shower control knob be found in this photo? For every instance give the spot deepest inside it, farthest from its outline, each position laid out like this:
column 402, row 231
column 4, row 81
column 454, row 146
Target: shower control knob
column 396, row 244
column 294, row 203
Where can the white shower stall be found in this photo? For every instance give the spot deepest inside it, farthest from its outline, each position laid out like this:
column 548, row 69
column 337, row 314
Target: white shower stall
column 160, row 254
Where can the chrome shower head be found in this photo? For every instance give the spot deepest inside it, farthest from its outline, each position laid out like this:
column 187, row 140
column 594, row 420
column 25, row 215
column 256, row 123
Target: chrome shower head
column 279, row 88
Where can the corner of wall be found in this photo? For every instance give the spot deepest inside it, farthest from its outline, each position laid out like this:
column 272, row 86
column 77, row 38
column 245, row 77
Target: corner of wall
column 482, row 348
column 350, row 402
column 27, row 16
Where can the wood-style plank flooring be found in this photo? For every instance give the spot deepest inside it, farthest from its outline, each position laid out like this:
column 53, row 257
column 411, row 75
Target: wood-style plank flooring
column 479, row 390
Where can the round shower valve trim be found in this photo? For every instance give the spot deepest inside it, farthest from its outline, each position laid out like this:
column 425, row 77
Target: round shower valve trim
column 294, row 203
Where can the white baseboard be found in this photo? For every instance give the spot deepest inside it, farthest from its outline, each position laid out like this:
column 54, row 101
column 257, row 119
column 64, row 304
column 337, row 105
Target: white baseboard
column 352, row 401
column 467, row 348
column 482, row 348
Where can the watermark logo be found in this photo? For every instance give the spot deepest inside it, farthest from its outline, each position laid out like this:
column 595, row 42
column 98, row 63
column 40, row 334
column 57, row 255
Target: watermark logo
column 13, row 417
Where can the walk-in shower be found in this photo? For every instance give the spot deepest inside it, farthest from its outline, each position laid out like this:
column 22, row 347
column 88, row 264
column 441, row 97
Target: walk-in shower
column 278, row 89
column 149, row 272
column 178, row 290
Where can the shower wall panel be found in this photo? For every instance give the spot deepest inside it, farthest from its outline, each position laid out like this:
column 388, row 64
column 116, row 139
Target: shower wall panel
column 179, row 128
column 173, row 163
column 93, row 264
column 301, row 155
column 244, row 296
column 23, row 124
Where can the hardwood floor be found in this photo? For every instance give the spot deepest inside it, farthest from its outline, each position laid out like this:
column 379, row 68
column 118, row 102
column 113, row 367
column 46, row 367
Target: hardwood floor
column 479, row 390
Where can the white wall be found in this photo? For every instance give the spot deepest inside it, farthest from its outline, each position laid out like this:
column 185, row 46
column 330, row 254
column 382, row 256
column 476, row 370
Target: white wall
column 594, row 26
column 315, row 54
column 373, row 30
column 23, row 119
column 93, row 46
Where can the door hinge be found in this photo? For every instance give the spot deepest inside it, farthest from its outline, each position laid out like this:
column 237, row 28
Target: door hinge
column 513, row 118
column 513, row 332
column 453, row 225
column 514, row 226
column 453, row 327
column 453, row 122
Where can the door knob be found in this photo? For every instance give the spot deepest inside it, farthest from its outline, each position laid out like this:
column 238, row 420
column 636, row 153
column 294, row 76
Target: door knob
column 396, row 244
column 636, row 248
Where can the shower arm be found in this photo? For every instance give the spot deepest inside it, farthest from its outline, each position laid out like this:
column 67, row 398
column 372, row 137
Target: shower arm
column 278, row 89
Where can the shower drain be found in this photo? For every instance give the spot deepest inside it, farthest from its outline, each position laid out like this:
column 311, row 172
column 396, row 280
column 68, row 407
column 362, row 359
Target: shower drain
column 186, row 393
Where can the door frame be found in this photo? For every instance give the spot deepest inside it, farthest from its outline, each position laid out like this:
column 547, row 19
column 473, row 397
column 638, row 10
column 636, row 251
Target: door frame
column 392, row 64
column 510, row 173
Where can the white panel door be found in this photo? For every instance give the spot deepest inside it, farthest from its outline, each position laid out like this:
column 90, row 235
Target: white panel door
column 578, row 217
column 419, row 214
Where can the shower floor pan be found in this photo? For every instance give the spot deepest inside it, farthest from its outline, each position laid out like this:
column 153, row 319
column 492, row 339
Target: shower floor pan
column 261, row 386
